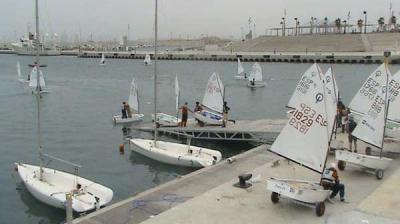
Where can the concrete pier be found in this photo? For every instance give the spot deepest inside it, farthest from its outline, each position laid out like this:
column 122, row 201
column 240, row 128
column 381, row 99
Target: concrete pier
column 208, row 196
column 290, row 57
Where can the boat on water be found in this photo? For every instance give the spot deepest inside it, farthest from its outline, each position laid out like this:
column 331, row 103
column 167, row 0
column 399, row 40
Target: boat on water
column 167, row 120
column 213, row 102
column 25, row 46
column 305, row 141
column 133, row 102
column 36, row 82
column 241, row 75
column 255, row 79
column 102, row 60
column 52, row 186
column 19, row 75
column 170, row 152
column 147, row 60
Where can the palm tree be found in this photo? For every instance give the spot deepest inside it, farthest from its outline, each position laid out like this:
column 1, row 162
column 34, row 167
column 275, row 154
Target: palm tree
column 393, row 20
column 381, row 22
column 338, row 24
column 360, row 24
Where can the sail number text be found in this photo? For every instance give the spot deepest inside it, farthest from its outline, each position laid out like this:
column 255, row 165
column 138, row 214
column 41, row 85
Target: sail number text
column 304, row 117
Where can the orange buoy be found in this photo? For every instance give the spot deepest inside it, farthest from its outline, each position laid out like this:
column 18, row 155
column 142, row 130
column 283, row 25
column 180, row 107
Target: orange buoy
column 121, row 149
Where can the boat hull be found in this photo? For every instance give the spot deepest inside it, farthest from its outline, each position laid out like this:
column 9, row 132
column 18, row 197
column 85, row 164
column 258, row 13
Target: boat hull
column 240, row 77
column 299, row 190
column 135, row 118
column 208, row 117
column 364, row 161
column 175, row 154
column 257, row 84
column 166, row 120
column 26, row 50
column 56, row 184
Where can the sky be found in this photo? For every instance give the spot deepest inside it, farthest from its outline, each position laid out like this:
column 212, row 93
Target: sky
column 109, row 19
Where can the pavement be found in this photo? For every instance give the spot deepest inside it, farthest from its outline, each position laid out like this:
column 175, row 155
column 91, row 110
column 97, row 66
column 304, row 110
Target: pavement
column 208, row 196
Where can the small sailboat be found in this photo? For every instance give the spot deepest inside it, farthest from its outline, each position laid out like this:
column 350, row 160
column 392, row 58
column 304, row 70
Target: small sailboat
column 34, row 80
column 167, row 120
column 213, row 102
column 241, row 75
column 304, row 140
column 371, row 130
column 52, row 186
column 255, row 79
column 102, row 60
column 19, row 75
column 133, row 102
column 169, row 152
column 147, row 60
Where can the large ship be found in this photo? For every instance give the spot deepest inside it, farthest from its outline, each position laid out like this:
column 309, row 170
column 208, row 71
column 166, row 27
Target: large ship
column 26, row 46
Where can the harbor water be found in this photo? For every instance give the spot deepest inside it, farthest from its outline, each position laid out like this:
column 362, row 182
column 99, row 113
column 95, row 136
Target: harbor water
column 77, row 126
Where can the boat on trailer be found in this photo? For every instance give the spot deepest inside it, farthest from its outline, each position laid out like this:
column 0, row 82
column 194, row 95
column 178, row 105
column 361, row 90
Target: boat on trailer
column 133, row 102
column 371, row 130
column 305, row 140
column 212, row 103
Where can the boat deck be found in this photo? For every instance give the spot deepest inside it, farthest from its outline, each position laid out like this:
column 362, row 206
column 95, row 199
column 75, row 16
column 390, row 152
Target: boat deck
column 262, row 130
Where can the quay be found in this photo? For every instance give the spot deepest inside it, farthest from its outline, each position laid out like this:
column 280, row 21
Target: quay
column 288, row 57
column 262, row 131
column 208, row 196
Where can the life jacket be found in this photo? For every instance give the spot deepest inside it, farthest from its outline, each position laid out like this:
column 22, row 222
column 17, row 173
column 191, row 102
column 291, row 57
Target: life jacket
column 327, row 177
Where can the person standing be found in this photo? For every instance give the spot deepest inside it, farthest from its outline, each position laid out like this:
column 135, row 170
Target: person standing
column 185, row 110
column 198, row 108
column 350, row 128
column 225, row 111
column 330, row 180
column 123, row 111
column 128, row 110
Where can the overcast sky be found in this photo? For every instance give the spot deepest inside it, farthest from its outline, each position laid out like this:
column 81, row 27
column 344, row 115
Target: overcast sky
column 108, row 19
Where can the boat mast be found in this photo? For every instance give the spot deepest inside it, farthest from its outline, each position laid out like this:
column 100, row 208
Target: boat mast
column 155, row 74
column 37, row 66
column 387, row 55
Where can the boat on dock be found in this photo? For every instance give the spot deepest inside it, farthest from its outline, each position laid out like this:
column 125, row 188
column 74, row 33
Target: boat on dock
column 305, row 140
column 213, row 102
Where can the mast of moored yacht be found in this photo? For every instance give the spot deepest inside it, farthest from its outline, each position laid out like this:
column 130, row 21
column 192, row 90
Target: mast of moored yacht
column 386, row 109
column 37, row 66
column 155, row 74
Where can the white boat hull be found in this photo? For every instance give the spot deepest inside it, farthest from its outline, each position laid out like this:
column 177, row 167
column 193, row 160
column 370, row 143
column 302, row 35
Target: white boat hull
column 208, row 117
column 135, row 118
column 240, row 77
column 175, row 153
column 364, row 161
column 166, row 120
column 303, row 191
column 256, row 84
column 56, row 184
column 28, row 50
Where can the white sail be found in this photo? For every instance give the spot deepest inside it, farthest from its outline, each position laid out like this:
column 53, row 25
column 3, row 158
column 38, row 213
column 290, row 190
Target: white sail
column 103, row 59
column 306, row 82
column 304, row 139
column 240, row 69
column 214, row 94
column 33, row 79
column 331, row 91
column 147, row 59
column 365, row 96
column 394, row 101
column 19, row 71
column 177, row 92
column 256, row 73
column 372, row 125
column 133, row 100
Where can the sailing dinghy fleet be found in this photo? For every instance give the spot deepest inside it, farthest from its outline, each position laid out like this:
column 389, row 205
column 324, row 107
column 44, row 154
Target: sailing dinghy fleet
column 133, row 115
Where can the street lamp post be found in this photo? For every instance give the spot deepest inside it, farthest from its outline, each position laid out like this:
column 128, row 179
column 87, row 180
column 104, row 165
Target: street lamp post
column 344, row 28
column 365, row 21
column 284, row 25
column 295, row 21
column 326, row 23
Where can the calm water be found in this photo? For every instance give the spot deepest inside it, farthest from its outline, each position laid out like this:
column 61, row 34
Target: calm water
column 76, row 118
